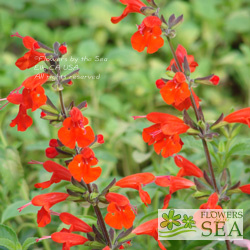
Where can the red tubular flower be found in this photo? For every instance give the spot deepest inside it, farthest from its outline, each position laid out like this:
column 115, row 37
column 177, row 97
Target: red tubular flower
column 181, row 53
column 187, row 167
column 149, row 228
column 135, row 181
column 36, row 80
column 32, row 57
column 34, row 99
column 164, row 134
column 29, row 99
column 119, row 210
column 148, row 35
column 245, row 188
column 80, row 167
column 76, row 224
column 175, row 91
column 46, row 201
column 132, row 6
column 186, row 104
column 239, row 116
column 173, row 182
column 59, row 173
column 73, row 130
column 211, row 203
column 23, row 121
column 166, row 201
column 68, row 239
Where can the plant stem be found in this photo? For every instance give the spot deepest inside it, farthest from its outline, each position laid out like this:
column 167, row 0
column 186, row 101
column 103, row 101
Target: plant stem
column 204, row 143
column 101, row 220
column 228, row 244
column 62, row 104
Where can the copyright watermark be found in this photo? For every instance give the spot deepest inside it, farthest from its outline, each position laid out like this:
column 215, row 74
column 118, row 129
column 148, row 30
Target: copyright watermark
column 200, row 224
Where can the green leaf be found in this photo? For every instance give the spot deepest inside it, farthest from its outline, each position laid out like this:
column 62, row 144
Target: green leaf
column 245, row 205
column 10, row 168
column 149, row 216
column 11, row 211
column 207, row 9
column 111, row 102
column 28, row 242
column 8, row 233
column 241, row 148
column 238, row 21
column 7, row 243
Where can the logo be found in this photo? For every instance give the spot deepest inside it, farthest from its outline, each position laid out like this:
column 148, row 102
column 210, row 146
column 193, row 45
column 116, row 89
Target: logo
column 200, row 224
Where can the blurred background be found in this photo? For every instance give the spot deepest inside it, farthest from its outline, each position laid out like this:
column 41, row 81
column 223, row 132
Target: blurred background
column 216, row 32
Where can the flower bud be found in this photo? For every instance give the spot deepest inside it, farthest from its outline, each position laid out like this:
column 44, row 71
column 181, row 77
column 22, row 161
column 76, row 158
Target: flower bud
column 62, row 49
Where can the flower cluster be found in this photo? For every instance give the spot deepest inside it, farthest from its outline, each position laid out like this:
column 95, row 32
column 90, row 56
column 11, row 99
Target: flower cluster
column 178, row 91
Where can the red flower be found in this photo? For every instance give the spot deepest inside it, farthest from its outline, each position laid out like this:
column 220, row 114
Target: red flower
column 100, row 139
column 181, row 53
column 119, row 210
column 160, row 83
column 211, row 203
column 80, row 167
column 166, row 201
column 132, row 6
column 68, row 239
column 73, row 130
column 148, row 35
column 23, row 121
column 53, row 143
column 32, row 57
column 215, row 80
column 106, row 248
column 36, row 80
column 51, row 152
column 76, row 224
column 245, row 188
column 164, row 134
column 149, row 228
column 240, row 116
column 62, row 49
column 173, row 182
column 186, row 104
column 187, row 167
column 46, row 201
column 135, row 181
column 59, row 173
column 175, row 91
column 208, row 80
column 29, row 99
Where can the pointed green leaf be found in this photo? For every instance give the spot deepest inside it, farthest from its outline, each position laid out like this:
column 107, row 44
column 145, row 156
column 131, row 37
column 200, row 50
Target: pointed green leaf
column 7, row 243
column 8, row 233
column 28, row 242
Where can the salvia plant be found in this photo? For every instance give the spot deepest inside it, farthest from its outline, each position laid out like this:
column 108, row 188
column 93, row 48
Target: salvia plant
column 76, row 140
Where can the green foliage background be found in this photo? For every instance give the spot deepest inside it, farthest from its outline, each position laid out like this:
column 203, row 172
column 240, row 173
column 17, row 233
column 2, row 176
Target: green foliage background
column 216, row 32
